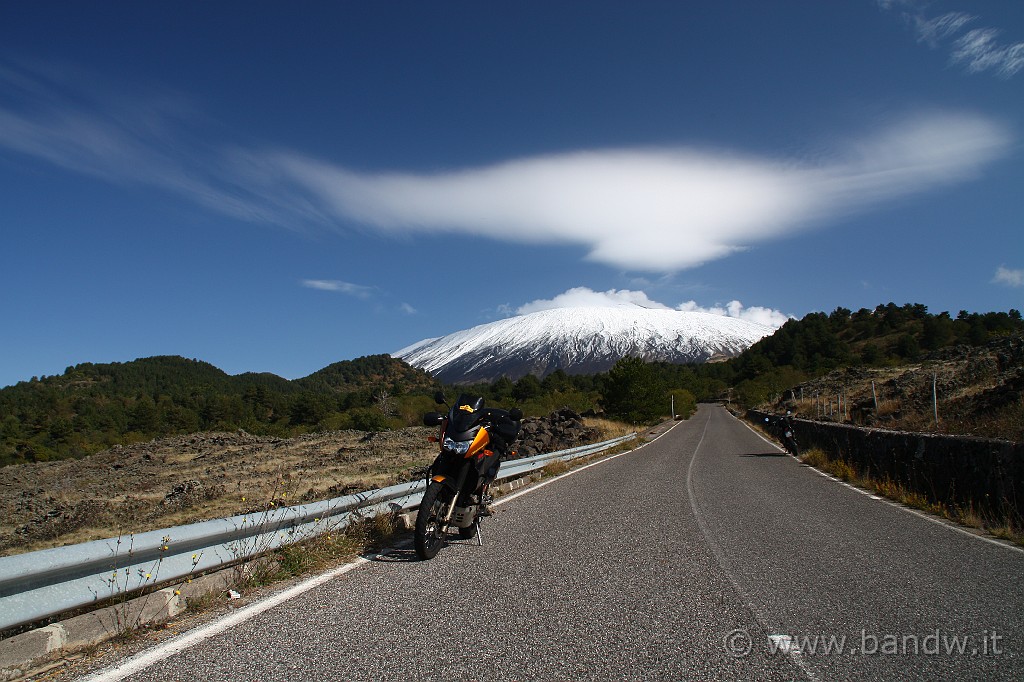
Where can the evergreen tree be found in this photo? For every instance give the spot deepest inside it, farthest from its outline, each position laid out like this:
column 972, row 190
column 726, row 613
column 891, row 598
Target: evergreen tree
column 633, row 392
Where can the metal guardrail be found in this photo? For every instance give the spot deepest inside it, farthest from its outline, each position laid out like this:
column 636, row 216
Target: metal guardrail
column 44, row 583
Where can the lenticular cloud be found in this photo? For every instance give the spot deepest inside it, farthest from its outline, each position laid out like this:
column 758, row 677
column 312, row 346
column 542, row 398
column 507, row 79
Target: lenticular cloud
column 659, row 210
column 655, row 209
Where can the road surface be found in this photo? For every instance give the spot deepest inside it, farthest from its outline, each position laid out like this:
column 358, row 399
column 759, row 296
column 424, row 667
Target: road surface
column 704, row 555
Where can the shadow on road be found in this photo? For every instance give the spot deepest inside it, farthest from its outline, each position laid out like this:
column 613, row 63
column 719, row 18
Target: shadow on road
column 406, row 555
column 394, row 556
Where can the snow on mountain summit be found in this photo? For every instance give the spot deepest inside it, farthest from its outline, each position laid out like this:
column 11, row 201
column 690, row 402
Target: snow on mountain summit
column 580, row 341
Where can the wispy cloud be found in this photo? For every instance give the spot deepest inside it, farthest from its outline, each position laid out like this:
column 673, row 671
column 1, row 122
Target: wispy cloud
column 932, row 31
column 152, row 137
column 407, row 309
column 657, row 210
column 357, row 290
column 977, row 50
column 1008, row 277
column 584, row 297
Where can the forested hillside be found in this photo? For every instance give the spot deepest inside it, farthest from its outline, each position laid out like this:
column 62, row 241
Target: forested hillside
column 93, row 406
column 887, row 336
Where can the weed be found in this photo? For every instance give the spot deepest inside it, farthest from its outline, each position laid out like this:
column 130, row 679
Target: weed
column 554, row 468
column 201, row 602
column 124, row 584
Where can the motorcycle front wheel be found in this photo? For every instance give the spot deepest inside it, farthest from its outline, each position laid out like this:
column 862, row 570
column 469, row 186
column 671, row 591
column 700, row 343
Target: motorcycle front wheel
column 429, row 536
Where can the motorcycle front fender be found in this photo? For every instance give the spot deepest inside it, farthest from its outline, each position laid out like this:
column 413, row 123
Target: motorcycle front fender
column 444, row 480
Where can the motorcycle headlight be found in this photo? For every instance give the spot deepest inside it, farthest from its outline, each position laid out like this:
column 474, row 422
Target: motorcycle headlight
column 459, row 447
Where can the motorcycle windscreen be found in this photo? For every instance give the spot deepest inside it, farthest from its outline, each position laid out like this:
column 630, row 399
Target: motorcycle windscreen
column 463, row 418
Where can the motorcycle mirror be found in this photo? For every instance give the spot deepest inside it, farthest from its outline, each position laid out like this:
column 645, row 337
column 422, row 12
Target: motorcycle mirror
column 432, row 419
column 439, row 398
column 516, row 414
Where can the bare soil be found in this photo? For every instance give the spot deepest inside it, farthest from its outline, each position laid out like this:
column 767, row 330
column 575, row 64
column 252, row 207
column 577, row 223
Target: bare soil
column 185, row 479
column 173, row 481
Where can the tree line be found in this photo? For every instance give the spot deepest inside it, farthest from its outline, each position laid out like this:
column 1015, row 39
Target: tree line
column 91, row 407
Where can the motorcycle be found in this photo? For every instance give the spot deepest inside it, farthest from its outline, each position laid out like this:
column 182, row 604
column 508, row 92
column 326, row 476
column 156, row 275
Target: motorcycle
column 783, row 428
column 473, row 439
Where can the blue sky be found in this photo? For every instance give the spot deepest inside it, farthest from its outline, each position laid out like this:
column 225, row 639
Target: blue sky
column 278, row 186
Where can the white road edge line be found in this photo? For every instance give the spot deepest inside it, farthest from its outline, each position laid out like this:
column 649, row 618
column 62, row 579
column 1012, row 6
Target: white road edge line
column 145, row 659
column 896, row 505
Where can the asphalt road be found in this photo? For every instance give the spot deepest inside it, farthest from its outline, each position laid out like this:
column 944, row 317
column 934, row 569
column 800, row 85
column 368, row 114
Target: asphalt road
column 704, row 555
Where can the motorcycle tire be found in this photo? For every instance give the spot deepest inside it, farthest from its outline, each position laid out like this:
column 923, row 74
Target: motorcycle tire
column 429, row 536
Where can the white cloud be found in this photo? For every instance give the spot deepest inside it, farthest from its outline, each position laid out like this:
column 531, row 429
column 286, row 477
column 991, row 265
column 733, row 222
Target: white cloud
column 658, row 210
column 357, row 290
column 407, row 309
column 643, row 210
column 765, row 316
column 1008, row 277
column 584, row 297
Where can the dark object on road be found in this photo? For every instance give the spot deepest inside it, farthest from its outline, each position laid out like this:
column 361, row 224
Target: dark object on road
column 782, row 428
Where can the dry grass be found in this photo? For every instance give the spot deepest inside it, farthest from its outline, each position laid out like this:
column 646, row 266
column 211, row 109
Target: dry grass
column 894, row 490
column 555, row 468
column 887, row 408
column 132, row 489
column 316, row 553
column 609, row 429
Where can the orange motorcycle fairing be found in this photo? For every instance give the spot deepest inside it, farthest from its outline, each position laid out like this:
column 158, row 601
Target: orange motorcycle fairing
column 481, row 441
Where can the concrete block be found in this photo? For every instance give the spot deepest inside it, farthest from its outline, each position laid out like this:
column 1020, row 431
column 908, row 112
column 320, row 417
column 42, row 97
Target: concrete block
column 87, row 629
column 407, row 521
column 102, row 624
column 212, row 582
column 18, row 652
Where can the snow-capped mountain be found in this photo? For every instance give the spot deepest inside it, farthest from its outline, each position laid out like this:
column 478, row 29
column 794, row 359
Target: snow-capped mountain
column 580, row 341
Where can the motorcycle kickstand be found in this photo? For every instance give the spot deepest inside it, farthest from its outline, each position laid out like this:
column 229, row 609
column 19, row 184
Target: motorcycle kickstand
column 479, row 536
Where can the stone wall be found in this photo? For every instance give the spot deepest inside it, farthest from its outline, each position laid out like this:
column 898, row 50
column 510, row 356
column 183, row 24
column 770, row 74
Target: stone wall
column 960, row 471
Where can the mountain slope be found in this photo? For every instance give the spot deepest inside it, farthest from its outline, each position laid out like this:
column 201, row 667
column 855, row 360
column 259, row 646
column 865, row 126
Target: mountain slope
column 580, row 341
